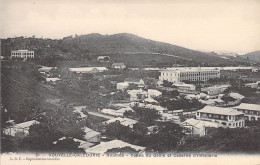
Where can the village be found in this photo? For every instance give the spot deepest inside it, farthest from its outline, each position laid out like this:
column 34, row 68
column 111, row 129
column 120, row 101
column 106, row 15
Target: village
column 111, row 107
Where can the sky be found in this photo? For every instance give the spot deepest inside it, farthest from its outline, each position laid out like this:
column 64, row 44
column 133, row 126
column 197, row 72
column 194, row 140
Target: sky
column 208, row 25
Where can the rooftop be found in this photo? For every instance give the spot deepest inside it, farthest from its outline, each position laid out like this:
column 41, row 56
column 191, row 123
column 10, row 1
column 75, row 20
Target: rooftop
column 220, row 111
column 27, row 124
column 118, row 64
column 87, row 69
column 255, row 107
column 200, row 123
column 90, row 133
column 124, row 121
column 105, row 146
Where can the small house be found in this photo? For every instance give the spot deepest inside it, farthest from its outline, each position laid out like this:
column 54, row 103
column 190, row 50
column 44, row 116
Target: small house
column 120, row 66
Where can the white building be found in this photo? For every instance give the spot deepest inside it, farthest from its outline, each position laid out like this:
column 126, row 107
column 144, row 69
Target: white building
column 215, row 90
column 251, row 111
column 122, row 86
column 197, row 127
column 227, row 117
column 137, row 81
column 22, row 54
column 21, row 128
column 177, row 75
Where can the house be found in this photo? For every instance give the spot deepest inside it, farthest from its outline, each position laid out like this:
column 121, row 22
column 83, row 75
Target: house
column 170, row 117
column 105, row 146
column 88, row 69
column 45, row 69
column 78, row 110
column 119, row 112
column 176, row 112
column 227, row 117
column 122, row 86
column 150, row 101
column 103, row 58
column 123, row 121
column 120, row 66
column 195, row 127
column 192, row 96
column 158, row 108
column 137, row 81
column 52, row 80
column 137, row 94
column 21, row 129
column 251, row 111
column 236, row 96
column 252, row 85
column 82, row 144
column 91, row 136
column 215, row 90
column 22, row 54
column 184, row 88
column 153, row 93
column 212, row 102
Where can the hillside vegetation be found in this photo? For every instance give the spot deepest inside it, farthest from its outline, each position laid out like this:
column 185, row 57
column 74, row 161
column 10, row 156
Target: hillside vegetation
column 121, row 47
column 255, row 56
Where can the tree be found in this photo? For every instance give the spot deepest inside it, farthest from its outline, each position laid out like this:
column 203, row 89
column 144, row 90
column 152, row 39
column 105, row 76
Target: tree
column 140, row 128
column 67, row 145
column 117, row 131
column 146, row 115
column 167, row 83
column 120, row 95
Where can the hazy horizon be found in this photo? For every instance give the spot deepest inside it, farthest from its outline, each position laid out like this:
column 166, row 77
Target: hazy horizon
column 217, row 25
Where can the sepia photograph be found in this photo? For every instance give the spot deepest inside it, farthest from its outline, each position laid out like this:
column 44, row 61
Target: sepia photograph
column 130, row 81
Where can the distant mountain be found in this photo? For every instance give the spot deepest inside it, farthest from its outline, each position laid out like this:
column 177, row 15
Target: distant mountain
column 123, row 47
column 125, row 43
column 254, row 56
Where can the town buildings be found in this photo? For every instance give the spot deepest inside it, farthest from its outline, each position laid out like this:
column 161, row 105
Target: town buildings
column 189, row 74
column 22, row 54
column 227, row 117
column 251, row 111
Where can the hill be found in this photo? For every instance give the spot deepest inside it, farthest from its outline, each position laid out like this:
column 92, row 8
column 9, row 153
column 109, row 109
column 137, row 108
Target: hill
column 126, row 44
column 123, row 47
column 255, row 56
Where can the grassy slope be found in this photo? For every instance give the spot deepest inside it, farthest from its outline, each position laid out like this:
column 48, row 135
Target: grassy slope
column 16, row 86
